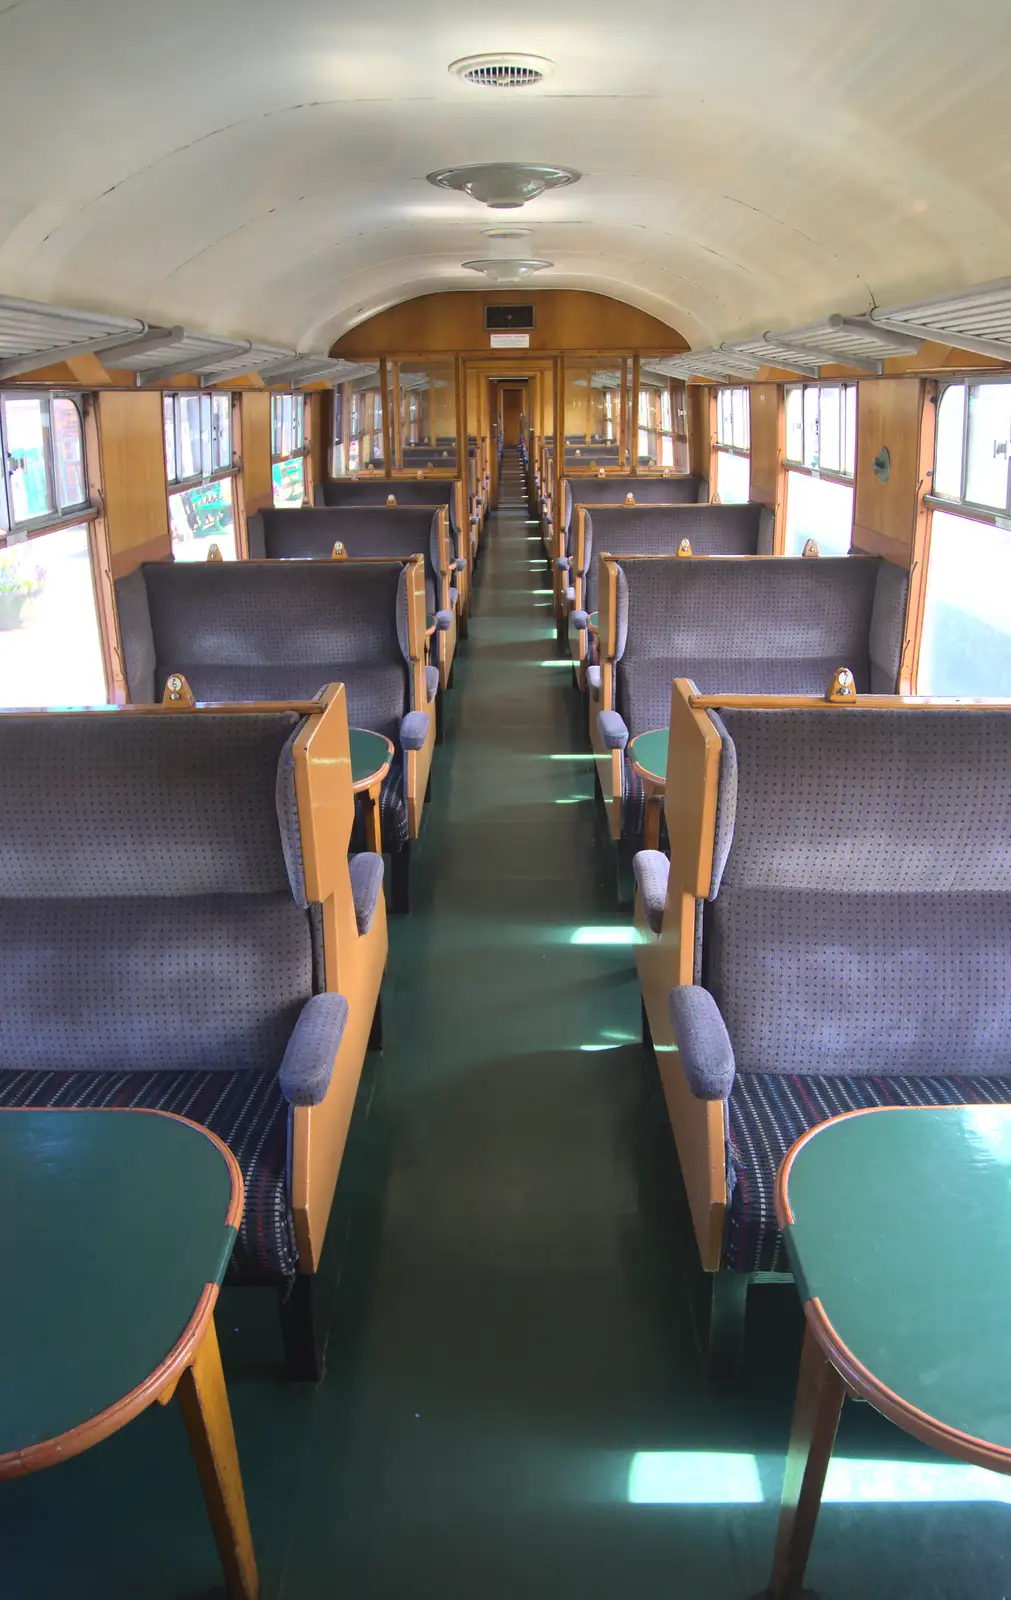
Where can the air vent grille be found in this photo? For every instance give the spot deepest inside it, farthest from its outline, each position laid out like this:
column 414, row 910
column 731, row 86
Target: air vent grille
column 502, row 71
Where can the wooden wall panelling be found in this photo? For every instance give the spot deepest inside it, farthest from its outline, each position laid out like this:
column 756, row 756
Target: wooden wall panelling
column 132, row 449
column 565, row 319
column 888, row 416
column 256, row 486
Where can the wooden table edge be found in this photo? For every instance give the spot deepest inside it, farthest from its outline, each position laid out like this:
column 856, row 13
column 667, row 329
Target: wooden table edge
column 47, row 1452
column 858, row 1378
column 659, row 782
column 379, row 773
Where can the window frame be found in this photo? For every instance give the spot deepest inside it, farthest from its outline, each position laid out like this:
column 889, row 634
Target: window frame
column 848, row 479
column 208, row 473
column 300, row 408
column 963, row 506
column 14, row 530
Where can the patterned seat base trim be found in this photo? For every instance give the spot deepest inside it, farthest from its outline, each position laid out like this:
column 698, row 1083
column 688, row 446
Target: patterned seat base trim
column 245, row 1109
column 767, row 1115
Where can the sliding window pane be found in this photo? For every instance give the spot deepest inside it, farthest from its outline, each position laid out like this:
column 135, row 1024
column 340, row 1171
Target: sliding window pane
column 795, row 424
column 201, row 517
column 50, row 646
column 949, row 442
column 812, row 453
column 221, row 433
column 830, row 430
column 817, row 508
column 169, row 424
column 966, row 646
column 850, row 446
column 986, row 476
column 741, row 419
column 188, row 460
column 26, row 424
column 68, row 454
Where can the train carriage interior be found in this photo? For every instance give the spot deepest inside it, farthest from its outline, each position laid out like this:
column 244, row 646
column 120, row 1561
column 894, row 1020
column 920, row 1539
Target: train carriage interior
column 505, row 801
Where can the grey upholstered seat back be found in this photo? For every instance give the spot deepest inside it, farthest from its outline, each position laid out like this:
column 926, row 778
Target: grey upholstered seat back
column 654, row 531
column 776, row 627
column 148, row 917
column 861, row 919
column 365, row 531
column 682, row 490
column 242, row 630
column 431, row 492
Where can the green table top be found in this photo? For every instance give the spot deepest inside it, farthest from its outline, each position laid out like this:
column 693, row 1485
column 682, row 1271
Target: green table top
column 648, row 752
column 902, row 1230
column 114, row 1224
column 371, row 754
column 593, row 620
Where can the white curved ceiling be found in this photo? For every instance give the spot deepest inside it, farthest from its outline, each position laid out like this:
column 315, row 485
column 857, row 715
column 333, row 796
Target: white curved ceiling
column 258, row 170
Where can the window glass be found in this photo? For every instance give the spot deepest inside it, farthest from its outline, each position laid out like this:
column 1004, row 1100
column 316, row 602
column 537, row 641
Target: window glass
column 966, row 644
column 169, row 424
column 26, row 428
column 986, row 467
column 50, row 645
column 221, row 433
column 427, row 398
column 812, row 455
column 830, row 430
column 949, row 441
column 733, row 478
column 795, row 424
column 200, row 517
column 850, row 445
column 188, row 457
column 289, row 481
column 68, row 453
column 741, row 420
column 818, row 508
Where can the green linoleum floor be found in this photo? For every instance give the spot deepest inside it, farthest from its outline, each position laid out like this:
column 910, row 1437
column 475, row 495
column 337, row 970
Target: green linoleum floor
column 509, row 1279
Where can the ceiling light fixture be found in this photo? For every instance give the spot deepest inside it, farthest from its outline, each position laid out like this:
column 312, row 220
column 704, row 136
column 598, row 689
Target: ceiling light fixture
column 502, row 70
column 503, row 185
column 507, row 233
column 502, row 270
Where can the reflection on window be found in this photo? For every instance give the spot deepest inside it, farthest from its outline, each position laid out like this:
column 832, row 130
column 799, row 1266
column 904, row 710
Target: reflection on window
column 733, row 418
column 733, row 478
column 289, row 482
column 821, row 427
column 42, row 454
column 656, row 423
column 50, row 646
column 200, row 517
column 427, row 401
column 966, row 645
column 973, row 445
column 597, row 434
column 819, row 509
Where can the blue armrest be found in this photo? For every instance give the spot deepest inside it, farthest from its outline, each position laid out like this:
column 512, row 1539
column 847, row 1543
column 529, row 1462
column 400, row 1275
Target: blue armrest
column 593, row 679
column 431, row 683
column 562, row 563
column 366, row 886
column 307, row 1068
column 414, row 730
column 707, row 1055
column 612, row 730
column 459, row 563
column 580, row 620
column 652, row 870
column 443, row 620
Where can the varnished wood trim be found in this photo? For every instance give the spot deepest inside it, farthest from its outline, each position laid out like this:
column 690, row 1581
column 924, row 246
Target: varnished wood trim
column 238, row 708
column 126, row 561
column 866, row 702
column 18, row 1463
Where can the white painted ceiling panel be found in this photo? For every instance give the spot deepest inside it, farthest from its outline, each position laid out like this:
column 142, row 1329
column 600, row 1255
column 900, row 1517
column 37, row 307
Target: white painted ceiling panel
column 258, row 171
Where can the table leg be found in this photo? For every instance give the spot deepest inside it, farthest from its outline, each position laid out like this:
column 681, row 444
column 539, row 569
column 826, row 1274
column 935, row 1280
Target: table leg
column 651, row 821
column 204, row 1402
column 820, row 1395
column 373, row 831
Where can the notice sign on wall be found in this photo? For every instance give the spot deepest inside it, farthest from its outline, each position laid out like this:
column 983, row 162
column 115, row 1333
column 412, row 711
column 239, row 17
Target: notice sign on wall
column 510, row 341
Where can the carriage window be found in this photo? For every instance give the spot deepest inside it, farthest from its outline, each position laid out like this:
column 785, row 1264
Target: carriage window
column 289, row 448
column 42, row 451
column 661, row 419
column 973, row 445
column 199, row 469
column 364, row 414
column 733, row 446
column 50, row 646
column 966, row 644
column 821, row 451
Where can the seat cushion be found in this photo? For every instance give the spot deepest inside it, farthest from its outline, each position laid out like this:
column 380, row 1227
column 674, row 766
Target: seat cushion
column 245, row 1109
column 767, row 1113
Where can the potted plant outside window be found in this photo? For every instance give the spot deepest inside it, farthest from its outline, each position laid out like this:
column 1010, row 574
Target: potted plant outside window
column 18, row 585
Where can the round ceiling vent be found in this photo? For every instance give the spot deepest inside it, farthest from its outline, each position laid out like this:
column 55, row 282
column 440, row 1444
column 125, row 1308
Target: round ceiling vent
column 503, row 185
column 502, row 270
column 502, row 70
column 507, row 233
